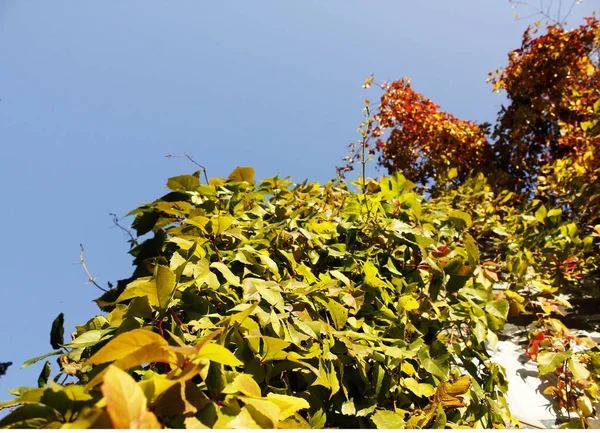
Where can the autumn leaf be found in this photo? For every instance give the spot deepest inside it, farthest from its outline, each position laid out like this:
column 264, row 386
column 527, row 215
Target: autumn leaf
column 126, row 403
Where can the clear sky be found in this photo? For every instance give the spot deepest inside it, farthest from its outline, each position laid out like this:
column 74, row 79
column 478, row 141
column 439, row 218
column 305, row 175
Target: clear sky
column 95, row 94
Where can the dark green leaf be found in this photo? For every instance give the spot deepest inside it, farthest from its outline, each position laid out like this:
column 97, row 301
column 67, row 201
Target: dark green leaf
column 44, row 375
column 57, row 332
column 185, row 182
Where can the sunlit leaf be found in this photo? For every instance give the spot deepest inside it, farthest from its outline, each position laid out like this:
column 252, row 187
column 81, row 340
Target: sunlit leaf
column 224, row 270
column 549, row 361
column 165, row 285
column 126, row 403
column 126, row 344
column 387, row 419
column 242, row 174
column 217, row 353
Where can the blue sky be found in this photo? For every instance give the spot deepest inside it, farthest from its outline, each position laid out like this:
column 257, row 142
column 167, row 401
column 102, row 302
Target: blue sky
column 95, row 94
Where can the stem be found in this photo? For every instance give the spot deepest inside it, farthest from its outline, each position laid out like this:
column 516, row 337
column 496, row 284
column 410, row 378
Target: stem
column 116, row 223
column 176, row 317
column 185, row 155
column 365, row 140
column 530, row 425
column 92, row 280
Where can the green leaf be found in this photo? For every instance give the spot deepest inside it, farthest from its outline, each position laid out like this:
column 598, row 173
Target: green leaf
column 578, row 369
column 165, row 285
column 267, row 290
column 243, row 420
column 39, row 358
column 387, row 419
column 270, row 264
column 221, row 223
column 288, row 405
column 217, row 353
column 549, row 361
column 371, row 275
column 498, row 308
column 540, row 214
column 438, row 366
column 265, row 413
column 419, row 389
column 186, row 182
column 339, row 314
column 57, row 332
column 245, row 384
column 472, row 250
column 89, row 338
column 242, row 174
column 29, row 416
column 140, row 288
column 44, row 375
column 338, row 275
column 232, row 279
column 554, row 212
column 273, row 349
column 409, row 303
column 461, row 219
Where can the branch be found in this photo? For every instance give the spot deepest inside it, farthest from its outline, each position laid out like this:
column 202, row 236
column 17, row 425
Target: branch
column 185, row 155
column 92, row 280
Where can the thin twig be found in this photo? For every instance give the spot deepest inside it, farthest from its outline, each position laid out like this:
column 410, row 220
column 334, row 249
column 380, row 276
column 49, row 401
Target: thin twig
column 529, row 424
column 92, row 280
column 559, row 20
column 185, row 155
column 116, row 223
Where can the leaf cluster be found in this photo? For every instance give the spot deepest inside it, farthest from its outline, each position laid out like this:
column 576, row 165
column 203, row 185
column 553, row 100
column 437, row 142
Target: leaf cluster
column 285, row 305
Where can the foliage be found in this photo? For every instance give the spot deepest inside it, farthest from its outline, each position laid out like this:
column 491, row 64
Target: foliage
column 281, row 305
column 552, row 83
column 421, row 141
column 536, row 218
column 534, row 257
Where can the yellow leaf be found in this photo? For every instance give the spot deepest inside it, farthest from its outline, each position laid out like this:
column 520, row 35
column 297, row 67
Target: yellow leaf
column 149, row 353
column 139, row 288
column 264, row 412
column 217, row 353
column 419, row 389
column 192, row 423
column 461, row 386
column 242, row 174
column 126, row 344
column 247, row 385
column 408, row 368
column 165, row 285
column 409, row 303
column 243, row 421
column 155, row 386
column 126, row 403
column 288, row 405
column 447, row 393
column 273, row 348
